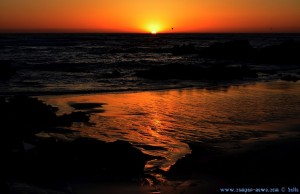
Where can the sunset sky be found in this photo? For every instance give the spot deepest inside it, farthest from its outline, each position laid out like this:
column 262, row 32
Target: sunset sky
column 150, row 15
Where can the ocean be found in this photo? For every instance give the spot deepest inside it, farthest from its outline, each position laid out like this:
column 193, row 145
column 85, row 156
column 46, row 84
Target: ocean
column 85, row 63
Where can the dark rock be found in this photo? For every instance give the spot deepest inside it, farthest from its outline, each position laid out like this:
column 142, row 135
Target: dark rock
column 236, row 49
column 188, row 72
column 290, row 78
column 22, row 117
column 6, row 70
column 184, row 49
column 221, row 72
column 266, row 164
column 54, row 159
column 59, row 130
column 21, row 112
column 285, row 53
column 88, row 107
column 25, row 112
column 85, row 106
column 18, row 187
column 201, row 153
column 118, row 157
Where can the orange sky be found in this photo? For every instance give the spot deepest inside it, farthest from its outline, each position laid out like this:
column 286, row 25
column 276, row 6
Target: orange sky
column 150, row 15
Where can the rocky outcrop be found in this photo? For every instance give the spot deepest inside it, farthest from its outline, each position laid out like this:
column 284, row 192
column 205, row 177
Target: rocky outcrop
column 284, row 53
column 22, row 117
column 57, row 159
column 35, row 161
column 52, row 161
column 236, row 49
column 241, row 50
column 290, row 78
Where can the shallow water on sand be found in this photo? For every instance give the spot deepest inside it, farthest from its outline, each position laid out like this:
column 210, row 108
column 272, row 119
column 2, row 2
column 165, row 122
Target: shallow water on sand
column 161, row 123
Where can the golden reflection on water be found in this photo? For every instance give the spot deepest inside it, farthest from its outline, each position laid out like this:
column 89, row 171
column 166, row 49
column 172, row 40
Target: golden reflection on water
column 159, row 122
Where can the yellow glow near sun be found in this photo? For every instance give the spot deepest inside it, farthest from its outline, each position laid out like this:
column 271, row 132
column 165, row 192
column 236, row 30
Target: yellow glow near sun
column 154, row 28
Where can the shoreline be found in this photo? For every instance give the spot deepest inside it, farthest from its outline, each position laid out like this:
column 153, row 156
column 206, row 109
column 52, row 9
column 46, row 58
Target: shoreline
column 208, row 167
column 209, row 86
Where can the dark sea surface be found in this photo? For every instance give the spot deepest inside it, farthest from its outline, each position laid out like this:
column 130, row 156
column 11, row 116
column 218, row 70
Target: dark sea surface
column 83, row 63
column 160, row 117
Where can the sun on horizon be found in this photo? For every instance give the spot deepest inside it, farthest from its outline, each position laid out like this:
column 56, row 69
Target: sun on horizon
column 154, row 28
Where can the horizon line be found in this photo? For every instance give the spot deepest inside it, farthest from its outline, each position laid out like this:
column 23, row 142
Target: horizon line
column 158, row 33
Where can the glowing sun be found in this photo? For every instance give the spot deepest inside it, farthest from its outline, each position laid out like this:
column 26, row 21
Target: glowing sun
column 153, row 28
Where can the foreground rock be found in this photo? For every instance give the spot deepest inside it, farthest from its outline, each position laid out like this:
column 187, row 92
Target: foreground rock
column 53, row 159
column 188, row 72
column 23, row 117
column 267, row 164
column 52, row 163
column 36, row 163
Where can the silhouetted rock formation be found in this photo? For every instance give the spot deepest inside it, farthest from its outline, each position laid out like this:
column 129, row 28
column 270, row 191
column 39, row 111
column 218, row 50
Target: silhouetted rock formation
column 39, row 160
column 266, row 164
column 188, row 72
column 6, row 70
column 118, row 157
column 236, row 49
column 290, row 78
column 284, row 53
column 53, row 160
column 184, row 49
column 81, row 157
column 86, row 106
column 22, row 117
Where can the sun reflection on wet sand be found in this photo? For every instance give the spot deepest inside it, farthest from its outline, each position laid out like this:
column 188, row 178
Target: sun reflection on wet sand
column 161, row 123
